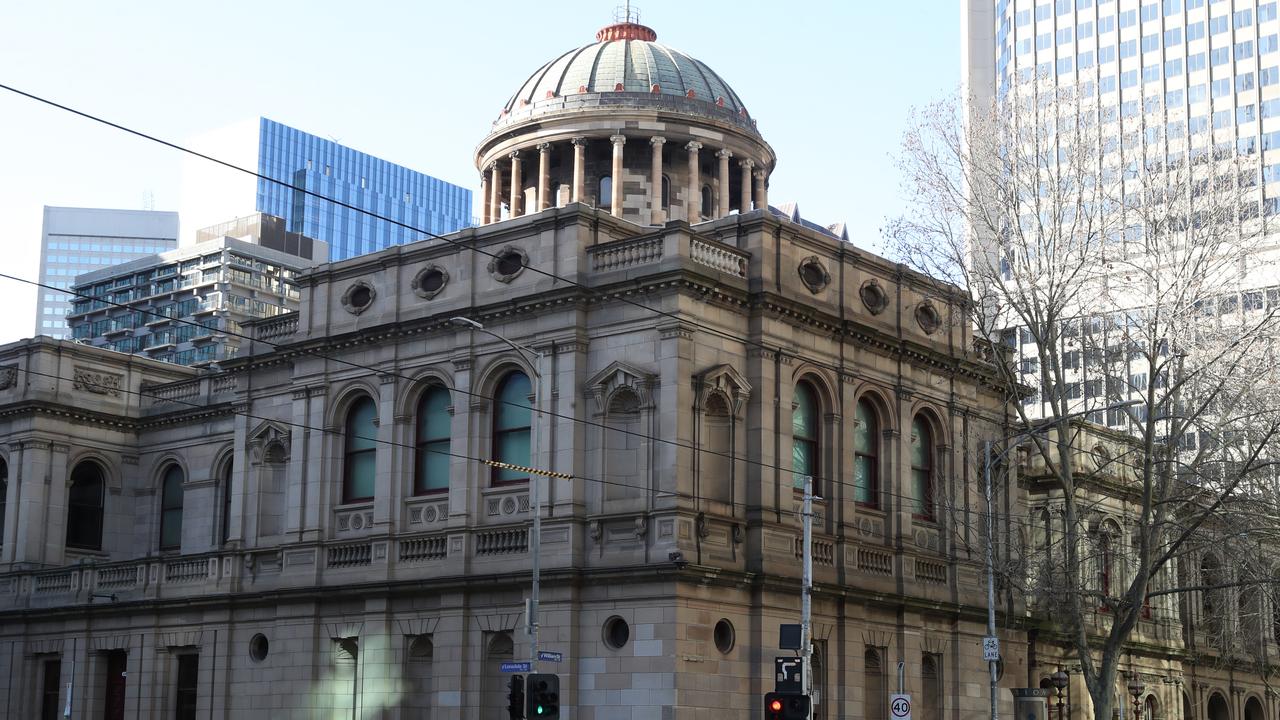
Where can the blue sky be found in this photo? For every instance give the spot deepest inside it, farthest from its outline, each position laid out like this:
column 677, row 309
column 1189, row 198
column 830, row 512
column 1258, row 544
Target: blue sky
column 830, row 84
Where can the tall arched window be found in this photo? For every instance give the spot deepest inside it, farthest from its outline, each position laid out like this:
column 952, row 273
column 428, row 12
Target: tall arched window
column 1105, row 562
column 4, row 495
column 804, row 433
column 606, row 192
column 171, row 508
column 84, row 507
column 706, row 201
column 931, row 681
column 512, row 427
column 873, row 685
column 226, row 503
column 921, row 469
column 666, row 192
column 360, row 444
column 432, row 471
column 866, row 444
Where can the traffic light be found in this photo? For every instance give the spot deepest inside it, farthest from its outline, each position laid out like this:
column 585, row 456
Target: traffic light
column 786, row 706
column 515, row 697
column 543, row 697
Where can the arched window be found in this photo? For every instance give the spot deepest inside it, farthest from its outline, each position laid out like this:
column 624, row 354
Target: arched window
column 716, row 463
column 226, row 503
column 666, row 192
column 873, row 685
column 804, row 433
column 171, row 508
column 84, row 507
column 931, row 681
column 1149, row 708
column 866, row 444
column 606, row 192
column 706, row 201
column 622, row 463
column 512, row 427
column 1105, row 563
column 432, row 471
column 360, row 443
column 922, row 469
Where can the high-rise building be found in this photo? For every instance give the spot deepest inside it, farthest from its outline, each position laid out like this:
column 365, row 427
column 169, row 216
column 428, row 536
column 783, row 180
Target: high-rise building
column 80, row 240
column 293, row 164
column 1174, row 82
column 186, row 305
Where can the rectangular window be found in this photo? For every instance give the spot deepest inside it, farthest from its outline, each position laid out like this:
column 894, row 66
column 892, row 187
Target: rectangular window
column 1150, row 43
column 1244, row 50
column 1244, row 82
column 1267, row 44
column 1173, row 98
column 1044, row 41
column 1245, row 114
column 188, row 681
column 1268, row 76
column 1195, row 62
column 1173, row 68
column 1150, row 13
column 1085, row 61
column 1107, row 54
column 1243, row 18
column 1221, row 88
column 1064, row 36
column 1085, row 30
column 1171, row 7
column 1064, row 65
column 1217, row 25
column 1106, row 24
column 1042, row 12
column 1128, row 79
column 1219, row 56
column 1128, row 48
column 1270, row 108
column 1022, row 18
column 1173, row 36
column 1221, row 119
column 1195, row 31
column 1063, row 7
column 1266, row 11
column 1193, row 4
column 1198, row 124
column 1107, row 84
column 1151, row 73
column 1128, row 18
column 1024, row 46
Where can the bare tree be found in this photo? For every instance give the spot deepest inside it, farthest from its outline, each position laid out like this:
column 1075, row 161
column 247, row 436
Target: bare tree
column 1125, row 253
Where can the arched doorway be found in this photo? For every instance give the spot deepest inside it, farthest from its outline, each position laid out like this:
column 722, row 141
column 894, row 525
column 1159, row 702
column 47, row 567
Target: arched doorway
column 1253, row 710
column 1218, row 709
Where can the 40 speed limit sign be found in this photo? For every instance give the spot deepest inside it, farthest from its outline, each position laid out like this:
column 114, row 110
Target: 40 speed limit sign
column 899, row 707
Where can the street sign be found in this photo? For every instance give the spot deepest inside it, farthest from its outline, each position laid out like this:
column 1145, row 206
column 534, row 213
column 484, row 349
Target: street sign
column 787, row 677
column 899, row 707
column 990, row 649
column 517, row 667
column 550, row 656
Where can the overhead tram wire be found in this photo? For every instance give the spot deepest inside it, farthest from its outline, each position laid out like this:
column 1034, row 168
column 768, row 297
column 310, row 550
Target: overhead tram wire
column 455, row 243
column 549, row 413
column 595, row 294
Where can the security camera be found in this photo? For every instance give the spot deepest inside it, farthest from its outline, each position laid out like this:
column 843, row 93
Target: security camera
column 677, row 558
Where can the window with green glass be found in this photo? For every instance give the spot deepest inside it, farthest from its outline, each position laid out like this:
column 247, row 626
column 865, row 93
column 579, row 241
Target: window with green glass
column 512, row 427
column 804, row 434
column 171, row 509
column 359, row 460
column 84, row 507
column 921, row 468
column 432, row 472
column 866, row 455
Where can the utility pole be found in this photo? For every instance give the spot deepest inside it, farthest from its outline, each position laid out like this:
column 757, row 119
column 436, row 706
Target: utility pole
column 991, row 575
column 806, row 596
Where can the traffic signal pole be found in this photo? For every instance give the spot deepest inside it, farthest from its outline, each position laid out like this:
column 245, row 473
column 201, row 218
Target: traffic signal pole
column 806, row 599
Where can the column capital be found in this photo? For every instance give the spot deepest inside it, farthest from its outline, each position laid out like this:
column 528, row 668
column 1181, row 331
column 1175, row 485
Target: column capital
column 724, row 153
column 748, row 163
column 544, row 147
column 493, row 165
column 578, row 141
column 618, row 139
column 657, row 140
column 760, row 174
column 514, row 154
column 693, row 146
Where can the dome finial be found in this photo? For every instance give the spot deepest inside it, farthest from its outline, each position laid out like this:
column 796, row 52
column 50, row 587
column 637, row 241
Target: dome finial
column 626, row 26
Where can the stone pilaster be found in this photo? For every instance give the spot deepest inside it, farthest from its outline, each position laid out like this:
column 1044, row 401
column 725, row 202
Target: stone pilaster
column 544, row 176
column 516, row 190
column 579, row 167
column 657, row 212
column 746, row 166
column 723, row 155
column 615, row 185
column 762, row 189
column 694, row 201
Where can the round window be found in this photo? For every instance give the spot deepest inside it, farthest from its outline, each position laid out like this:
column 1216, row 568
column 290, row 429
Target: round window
column 616, row 632
column 361, row 296
column 358, row 297
column 432, row 280
column 724, row 635
column 510, row 263
column 813, row 274
column 259, row 647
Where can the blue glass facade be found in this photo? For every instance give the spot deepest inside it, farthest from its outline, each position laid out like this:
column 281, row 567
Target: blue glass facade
column 301, row 160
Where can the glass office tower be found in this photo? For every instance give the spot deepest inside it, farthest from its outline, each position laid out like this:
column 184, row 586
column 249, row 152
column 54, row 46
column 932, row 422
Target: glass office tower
column 403, row 196
column 81, row 240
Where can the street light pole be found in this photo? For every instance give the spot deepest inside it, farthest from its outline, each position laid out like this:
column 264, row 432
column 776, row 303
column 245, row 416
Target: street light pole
column 535, row 496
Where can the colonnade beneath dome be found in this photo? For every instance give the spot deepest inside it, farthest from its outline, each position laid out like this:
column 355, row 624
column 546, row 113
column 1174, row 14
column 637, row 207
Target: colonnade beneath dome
column 648, row 179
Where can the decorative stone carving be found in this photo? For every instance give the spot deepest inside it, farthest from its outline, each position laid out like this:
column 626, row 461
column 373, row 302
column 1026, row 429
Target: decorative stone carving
column 813, row 274
column 618, row 375
column 359, row 297
column 96, row 381
column 642, row 526
column 725, row 380
column 508, row 263
column 873, row 297
column 8, row 376
column 429, row 281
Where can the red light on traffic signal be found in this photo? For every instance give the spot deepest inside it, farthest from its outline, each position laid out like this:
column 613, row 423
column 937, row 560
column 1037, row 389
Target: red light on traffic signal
column 776, row 705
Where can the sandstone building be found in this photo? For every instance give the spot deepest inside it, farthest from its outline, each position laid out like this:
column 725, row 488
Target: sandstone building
column 316, row 529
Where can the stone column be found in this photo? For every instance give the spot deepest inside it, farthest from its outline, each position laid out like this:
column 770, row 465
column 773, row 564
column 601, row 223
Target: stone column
column 615, row 184
column 762, row 192
column 544, row 176
column 694, row 202
column 516, row 190
column 724, row 154
column 495, row 190
column 657, row 213
column 746, row 166
column 579, row 167
column 484, row 198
